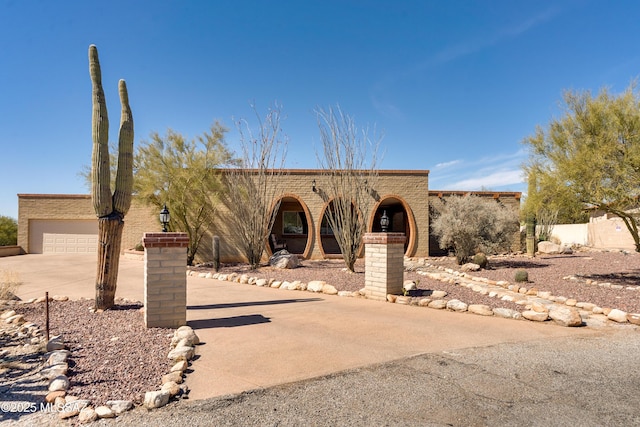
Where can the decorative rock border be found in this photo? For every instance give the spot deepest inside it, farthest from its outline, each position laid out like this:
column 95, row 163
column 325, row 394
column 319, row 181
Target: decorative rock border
column 539, row 306
column 56, row 368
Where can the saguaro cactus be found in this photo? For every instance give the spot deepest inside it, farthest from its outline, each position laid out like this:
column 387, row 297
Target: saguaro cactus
column 530, row 228
column 110, row 208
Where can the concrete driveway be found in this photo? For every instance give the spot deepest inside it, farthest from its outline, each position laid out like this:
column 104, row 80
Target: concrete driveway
column 259, row 337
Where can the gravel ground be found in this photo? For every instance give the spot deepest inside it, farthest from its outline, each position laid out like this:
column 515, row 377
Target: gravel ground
column 115, row 357
column 546, row 273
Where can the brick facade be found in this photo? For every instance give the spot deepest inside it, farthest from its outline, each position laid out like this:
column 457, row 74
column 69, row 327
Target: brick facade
column 384, row 264
column 403, row 193
column 76, row 207
column 165, row 279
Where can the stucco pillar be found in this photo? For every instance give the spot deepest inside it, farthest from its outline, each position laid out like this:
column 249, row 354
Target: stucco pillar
column 384, row 264
column 165, row 279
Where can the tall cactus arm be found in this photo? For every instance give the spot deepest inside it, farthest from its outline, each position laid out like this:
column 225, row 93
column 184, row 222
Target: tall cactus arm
column 124, row 175
column 100, row 172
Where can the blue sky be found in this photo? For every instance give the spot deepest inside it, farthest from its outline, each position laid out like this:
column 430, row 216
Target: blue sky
column 455, row 86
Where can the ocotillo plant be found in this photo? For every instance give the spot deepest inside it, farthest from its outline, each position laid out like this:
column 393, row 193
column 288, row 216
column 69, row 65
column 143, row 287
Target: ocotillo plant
column 110, row 208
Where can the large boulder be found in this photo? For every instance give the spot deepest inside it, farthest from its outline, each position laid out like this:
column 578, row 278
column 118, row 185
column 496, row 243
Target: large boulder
column 546, row 247
column 283, row 259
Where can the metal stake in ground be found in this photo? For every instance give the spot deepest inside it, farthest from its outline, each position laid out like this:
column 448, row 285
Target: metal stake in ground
column 46, row 313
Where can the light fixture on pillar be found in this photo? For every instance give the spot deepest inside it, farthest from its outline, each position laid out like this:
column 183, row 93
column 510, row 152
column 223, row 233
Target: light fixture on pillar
column 384, row 222
column 164, row 218
column 313, row 186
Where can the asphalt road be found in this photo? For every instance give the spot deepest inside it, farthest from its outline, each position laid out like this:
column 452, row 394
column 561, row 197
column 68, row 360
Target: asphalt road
column 568, row 381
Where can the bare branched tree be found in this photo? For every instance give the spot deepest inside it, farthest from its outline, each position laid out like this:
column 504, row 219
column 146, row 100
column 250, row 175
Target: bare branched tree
column 253, row 195
column 348, row 163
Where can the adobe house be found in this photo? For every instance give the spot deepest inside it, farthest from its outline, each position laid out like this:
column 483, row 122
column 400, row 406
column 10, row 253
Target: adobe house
column 67, row 223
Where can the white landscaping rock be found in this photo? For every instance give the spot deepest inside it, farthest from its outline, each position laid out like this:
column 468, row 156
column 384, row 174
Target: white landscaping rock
column 329, row 290
column 316, row 285
column 481, row 309
column 175, row 377
column 469, row 267
column 181, row 353
column 105, row 412
column 172, row 387
column 185, row 333
column 565, row 316
column 55, row 343
column 180, row 366
column 457, row 305
column 438, row 294
column 507, row 313
column 59, row 383
column 7, row 314
column 536, row 316
column 58, row 356
column 549, row 248
column 156, row 399
column 409, row 285
column 437, row 304
column 120, row 406
column 50, row 372
column 617, row 316
column 87, row 415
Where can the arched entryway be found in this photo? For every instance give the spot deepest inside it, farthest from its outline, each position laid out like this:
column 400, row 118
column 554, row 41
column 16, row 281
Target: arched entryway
column 328, row 243
column 291, row 227
column 401, row 220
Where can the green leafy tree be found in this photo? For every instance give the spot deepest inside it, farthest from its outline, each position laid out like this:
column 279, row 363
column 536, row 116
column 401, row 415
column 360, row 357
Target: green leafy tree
column 182, row 174
column 8, row 231
column 471, row 224
column 253, row 190
column 589, row 158
column 348, row 163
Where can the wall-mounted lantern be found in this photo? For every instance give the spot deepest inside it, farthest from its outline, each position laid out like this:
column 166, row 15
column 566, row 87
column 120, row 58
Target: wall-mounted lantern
column 164, row 218
column 313, row 186
column 384, row 222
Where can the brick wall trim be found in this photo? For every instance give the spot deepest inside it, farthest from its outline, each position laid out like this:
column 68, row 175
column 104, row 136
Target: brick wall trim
column 165, row 240
column 384, row 238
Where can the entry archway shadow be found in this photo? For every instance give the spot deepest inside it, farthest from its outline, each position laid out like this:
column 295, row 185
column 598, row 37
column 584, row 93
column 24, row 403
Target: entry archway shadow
column 251, row 303
column 229, row 322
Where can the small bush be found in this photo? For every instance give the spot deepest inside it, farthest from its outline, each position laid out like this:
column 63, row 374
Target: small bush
column 470, row 224
column 522, row 276
column 139, row 247
column 9, row 282
column 8, row 231
column 481, row 260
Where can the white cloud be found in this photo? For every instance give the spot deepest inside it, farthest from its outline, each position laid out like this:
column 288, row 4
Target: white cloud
column 502, row 170
column 447, row 164
column 493, row 180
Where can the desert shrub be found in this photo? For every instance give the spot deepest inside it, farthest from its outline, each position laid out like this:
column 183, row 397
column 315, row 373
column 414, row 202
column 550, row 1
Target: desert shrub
column 139, row 247
column 8, row 231
column 481, row 260
column 522, row 276
column 9, row 282
column 470, row 224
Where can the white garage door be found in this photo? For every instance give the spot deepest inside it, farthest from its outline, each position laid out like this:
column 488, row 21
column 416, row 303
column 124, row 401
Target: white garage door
column 69, row 243
column 63, row 236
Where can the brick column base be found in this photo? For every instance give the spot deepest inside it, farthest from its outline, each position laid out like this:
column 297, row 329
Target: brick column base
column 384, row 264
column 165, row 279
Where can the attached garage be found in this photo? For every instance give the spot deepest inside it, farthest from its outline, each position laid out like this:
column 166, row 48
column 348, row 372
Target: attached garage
column 63, row 236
